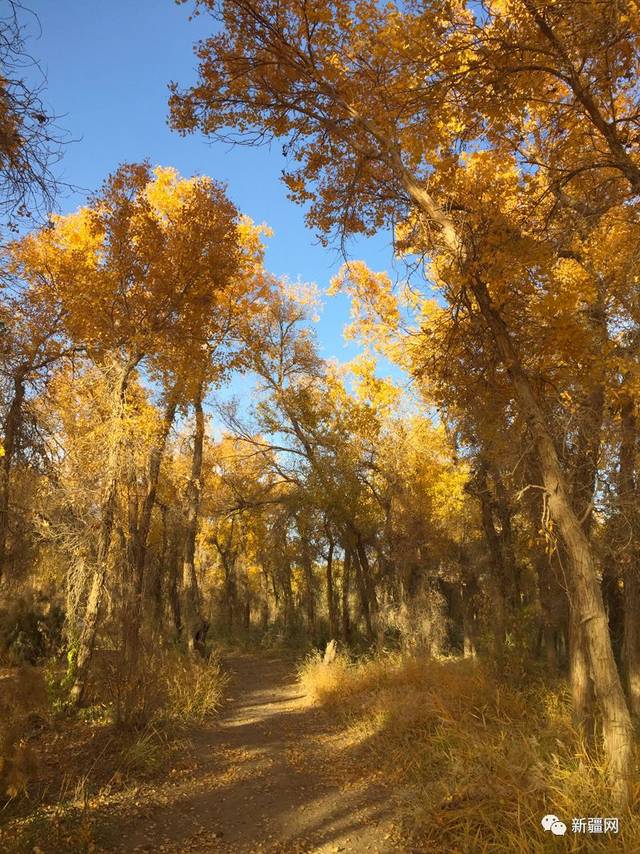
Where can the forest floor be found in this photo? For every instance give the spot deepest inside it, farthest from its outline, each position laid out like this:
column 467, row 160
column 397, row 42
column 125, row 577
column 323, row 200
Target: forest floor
column 438, row 750
column 272, row 774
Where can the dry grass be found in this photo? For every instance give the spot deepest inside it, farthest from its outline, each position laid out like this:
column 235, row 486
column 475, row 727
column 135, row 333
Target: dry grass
column 476, row 763
column 63, row 775
column 194, row 688
column 168, row 687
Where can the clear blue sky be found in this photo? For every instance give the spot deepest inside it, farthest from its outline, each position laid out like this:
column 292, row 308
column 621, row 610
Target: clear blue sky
column 108, row 65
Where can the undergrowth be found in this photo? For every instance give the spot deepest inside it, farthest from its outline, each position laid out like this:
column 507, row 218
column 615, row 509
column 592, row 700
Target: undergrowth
column 61, row 767
column 476, row 763
column 23, row 711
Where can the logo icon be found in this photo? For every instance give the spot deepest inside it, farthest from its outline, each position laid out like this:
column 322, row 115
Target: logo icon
column 553, row 823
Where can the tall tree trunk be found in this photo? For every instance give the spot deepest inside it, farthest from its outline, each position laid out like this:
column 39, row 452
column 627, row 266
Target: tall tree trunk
column 584, row 481
column 345, row 626
column 631, row 575
column 129, row 612
column 264, row 604
column 194, row 625
column 228, row 558
column 361, row 566
column 287, row 597
column 159, row 575
column 500, row 586
column 587, row 456
column 582, row 689
column 469, row 609
column 551, row 593
column 11, row 429
column 228, row 554
column 247, row 611
column 584, row 588
column 331, row 601
column 87, row 637
column 174, row 585
column 309, row 590
column 505, row 515
column 613, row 596
column 143, row 526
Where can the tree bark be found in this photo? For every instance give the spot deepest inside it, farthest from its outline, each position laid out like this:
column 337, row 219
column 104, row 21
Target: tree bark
column 500, row 586
column 331, row 602
column 174, row 586
column 505, row 515
column 193, row 623
column 613, row 596
column 309, row 591
column 631, row 554
column 11, row 429
column 88, row 631
column 584, row 482
column 469, row 610
column 228, row 558
column 143, row 526
column 368, row 578
column 582, row 689
column 587, row 456
column 550, row 594
column 345, row 623
column 361, row 565
column 158, row 580
column 287, row 597
column 264, row 604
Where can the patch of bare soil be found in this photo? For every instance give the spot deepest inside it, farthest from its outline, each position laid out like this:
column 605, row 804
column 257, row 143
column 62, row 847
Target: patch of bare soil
column 270, row 775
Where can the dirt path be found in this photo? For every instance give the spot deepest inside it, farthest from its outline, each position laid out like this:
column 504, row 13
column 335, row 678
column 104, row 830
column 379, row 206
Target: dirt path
column 270, row 777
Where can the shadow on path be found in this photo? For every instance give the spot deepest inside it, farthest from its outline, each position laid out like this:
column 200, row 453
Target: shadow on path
column 262, row 783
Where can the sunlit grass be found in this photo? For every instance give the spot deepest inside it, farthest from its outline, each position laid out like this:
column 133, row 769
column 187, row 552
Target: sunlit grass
column 475, row 763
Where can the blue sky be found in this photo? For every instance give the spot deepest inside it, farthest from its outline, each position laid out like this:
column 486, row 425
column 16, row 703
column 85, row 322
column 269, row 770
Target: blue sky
column 107, row 66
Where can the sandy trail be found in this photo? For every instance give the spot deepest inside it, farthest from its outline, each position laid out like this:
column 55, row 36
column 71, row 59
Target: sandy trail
column 265, row 780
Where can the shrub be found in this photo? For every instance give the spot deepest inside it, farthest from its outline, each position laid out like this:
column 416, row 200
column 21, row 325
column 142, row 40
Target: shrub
column 324, row 682
column 30, row 629
column 145, row 753
column 418, row 625
column 194, row 687
column 134, row 694
column 166, row 686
